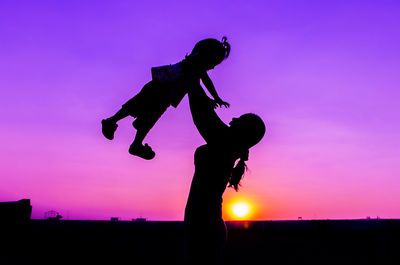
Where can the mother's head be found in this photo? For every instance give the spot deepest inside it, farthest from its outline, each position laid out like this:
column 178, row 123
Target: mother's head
column 247, row 131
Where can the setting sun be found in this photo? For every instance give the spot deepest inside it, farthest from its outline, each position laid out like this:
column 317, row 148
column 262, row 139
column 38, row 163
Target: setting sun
column 240, row 209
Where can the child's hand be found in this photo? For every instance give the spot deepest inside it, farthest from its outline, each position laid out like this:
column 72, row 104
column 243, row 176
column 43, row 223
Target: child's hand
column 219, row 103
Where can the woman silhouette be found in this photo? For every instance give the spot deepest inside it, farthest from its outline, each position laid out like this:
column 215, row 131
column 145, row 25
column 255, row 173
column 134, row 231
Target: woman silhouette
column 205, row 231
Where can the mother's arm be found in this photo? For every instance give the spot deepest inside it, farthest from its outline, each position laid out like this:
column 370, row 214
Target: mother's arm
column 209, row 125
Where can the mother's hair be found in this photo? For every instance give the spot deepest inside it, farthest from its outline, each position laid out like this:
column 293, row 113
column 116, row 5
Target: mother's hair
column 247, row 130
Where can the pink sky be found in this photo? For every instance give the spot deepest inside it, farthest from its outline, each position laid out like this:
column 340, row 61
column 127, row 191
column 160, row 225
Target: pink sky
column 323, row 75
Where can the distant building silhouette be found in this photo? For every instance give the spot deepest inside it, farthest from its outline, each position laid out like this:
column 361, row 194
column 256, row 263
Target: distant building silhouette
column 140, row 219
column 52, row 215
column 16, row 211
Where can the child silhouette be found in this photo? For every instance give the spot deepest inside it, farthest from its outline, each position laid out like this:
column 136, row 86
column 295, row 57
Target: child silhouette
column 168, row 86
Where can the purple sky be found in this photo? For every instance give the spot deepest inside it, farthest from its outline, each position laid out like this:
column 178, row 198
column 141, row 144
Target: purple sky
column 322, row 74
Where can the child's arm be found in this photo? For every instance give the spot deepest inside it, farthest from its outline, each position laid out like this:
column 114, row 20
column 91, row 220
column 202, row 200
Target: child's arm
column 210, row 87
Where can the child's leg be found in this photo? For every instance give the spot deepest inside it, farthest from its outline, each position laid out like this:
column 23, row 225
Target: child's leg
column 130, row 108
column 109, row 126
column 143, row 125
column 138, row 149
column 140, row 135
column 122, row 113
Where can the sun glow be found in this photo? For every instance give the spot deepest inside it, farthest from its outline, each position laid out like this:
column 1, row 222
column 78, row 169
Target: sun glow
column 240, row 210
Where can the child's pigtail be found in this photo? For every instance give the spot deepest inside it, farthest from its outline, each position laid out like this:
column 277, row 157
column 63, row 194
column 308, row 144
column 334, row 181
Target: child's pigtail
column 226, row 46
column 238, row 171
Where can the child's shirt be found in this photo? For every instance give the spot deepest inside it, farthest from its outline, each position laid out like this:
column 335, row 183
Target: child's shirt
column 176, row 78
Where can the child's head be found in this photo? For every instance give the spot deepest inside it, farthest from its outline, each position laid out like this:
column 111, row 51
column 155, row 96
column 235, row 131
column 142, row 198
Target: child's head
column 212, row 51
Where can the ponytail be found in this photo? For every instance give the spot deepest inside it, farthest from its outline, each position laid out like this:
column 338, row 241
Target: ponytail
column 226, row 46
column 238, row 171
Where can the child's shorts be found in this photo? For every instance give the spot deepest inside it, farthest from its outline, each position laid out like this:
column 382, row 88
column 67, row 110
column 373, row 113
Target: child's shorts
column 148, row 105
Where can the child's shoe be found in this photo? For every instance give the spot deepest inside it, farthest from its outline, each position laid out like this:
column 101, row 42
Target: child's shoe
column 108, row 128
column 143, row 151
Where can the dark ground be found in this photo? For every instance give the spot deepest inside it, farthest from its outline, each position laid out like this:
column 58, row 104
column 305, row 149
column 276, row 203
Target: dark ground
column 264, row 242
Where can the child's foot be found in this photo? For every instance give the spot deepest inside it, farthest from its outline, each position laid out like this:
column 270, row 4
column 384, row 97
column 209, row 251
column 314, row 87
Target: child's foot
column 108, row 128
column 143, row 151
